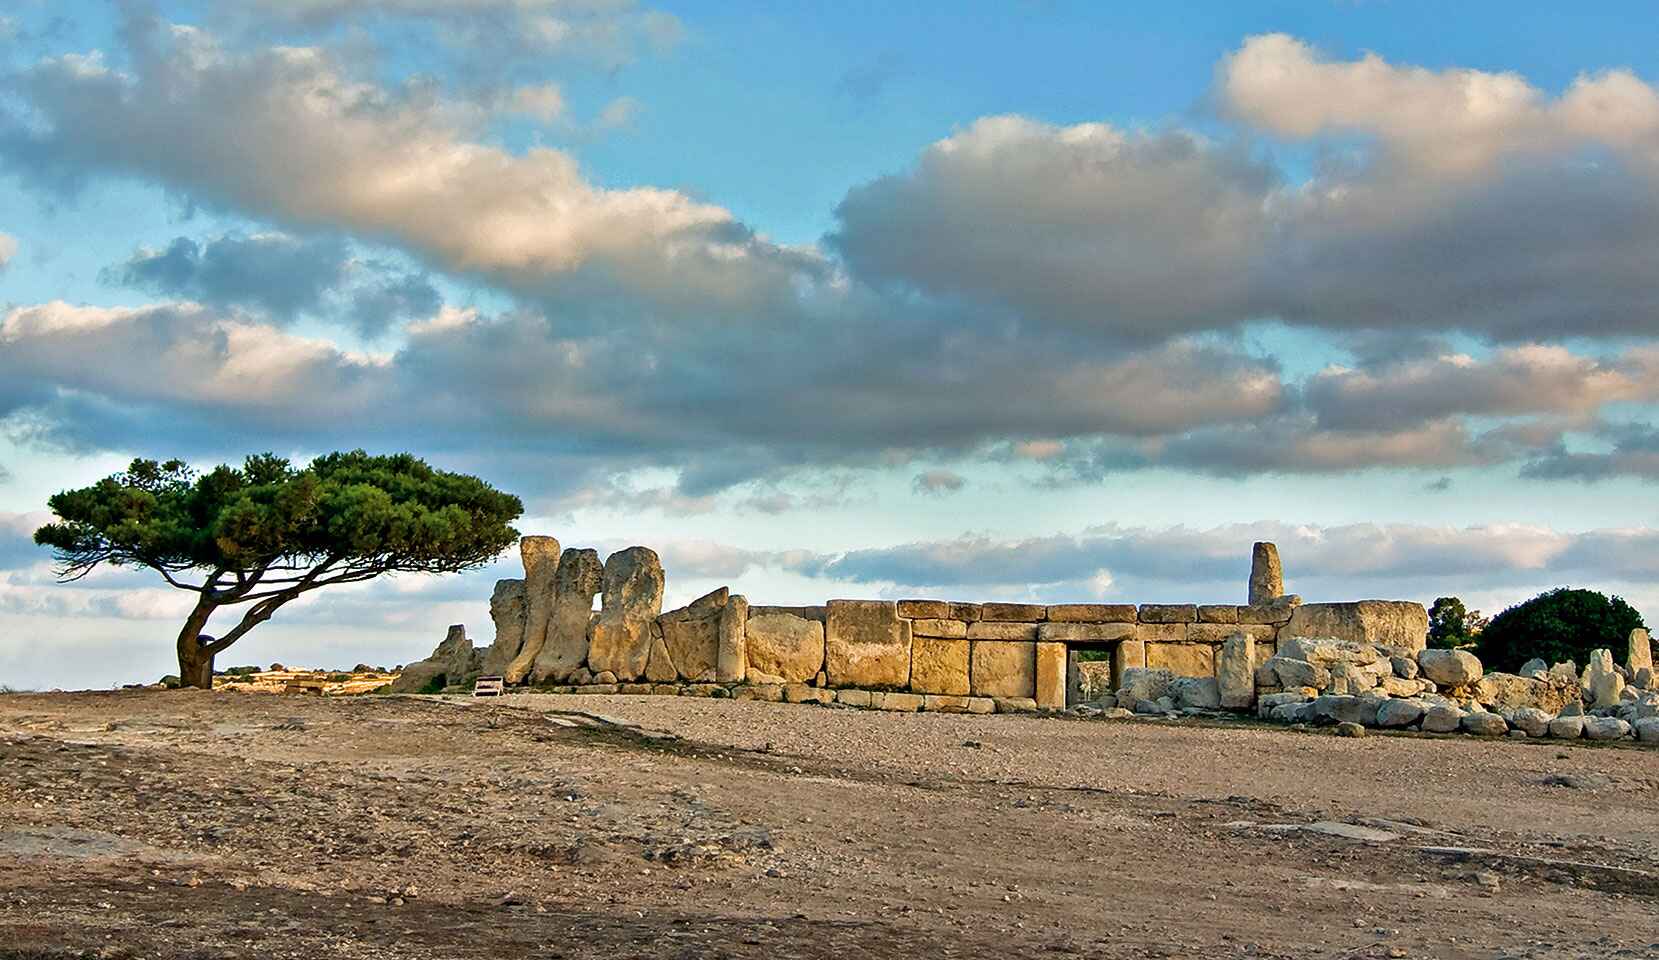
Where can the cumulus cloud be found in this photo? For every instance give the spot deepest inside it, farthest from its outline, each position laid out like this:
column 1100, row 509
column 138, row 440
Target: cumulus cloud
column 1634, row 452
column 8, row 249
column 281, row 273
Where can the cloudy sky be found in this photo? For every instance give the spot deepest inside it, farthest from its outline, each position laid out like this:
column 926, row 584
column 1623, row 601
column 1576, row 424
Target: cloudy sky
column 1026, row 300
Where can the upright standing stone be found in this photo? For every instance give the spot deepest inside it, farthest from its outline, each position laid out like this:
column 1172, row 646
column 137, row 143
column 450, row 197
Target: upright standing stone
column 1641, row 652
column 1127, row 655
column 732, row 660
column 1235, row 672
column 1267, row 576
column 631, row 603
column 565, row 643
column 507, row 611
column 1602, row 682
column 1051, row 676
column 541, row 563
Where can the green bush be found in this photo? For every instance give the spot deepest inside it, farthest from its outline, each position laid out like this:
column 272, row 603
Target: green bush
column 1453, row 625
column 1561, row 624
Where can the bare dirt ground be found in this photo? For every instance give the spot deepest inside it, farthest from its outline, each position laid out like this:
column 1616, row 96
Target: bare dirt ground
column 198, row 825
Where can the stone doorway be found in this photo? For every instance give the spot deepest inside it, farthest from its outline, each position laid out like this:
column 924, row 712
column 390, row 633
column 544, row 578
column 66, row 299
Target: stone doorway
column 1089, row 672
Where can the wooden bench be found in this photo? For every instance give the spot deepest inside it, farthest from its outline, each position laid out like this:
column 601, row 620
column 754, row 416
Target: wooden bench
column 489, row 687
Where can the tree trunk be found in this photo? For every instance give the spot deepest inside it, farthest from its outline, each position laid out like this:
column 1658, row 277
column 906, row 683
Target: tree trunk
column 195, row 663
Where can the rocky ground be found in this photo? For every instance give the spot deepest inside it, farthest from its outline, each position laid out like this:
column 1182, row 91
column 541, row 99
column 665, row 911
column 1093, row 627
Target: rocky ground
column 197, row 825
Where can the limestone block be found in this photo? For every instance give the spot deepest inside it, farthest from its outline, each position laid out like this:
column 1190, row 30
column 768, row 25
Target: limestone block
column 853, row 698
column 939, row 666
column 1640, row 656
column 1449, row 668
column 784, row 645
column 1397, row 623
column 820, row 614
column 1051, row 676
column 1161, row 632
column 1217, row 613
column 565, row 644
column 449, row 664
column 1143, row 684
column 1003, row 668
column 1091, row 613
column 966, row 612
column 1442, row 718
column 540, row 556
column 693, row 646
column 1400, row 713
column 1485, row 725
column 1267, row 574
column 1603, row 685
column 631, row 601
column 1278, row 611
column 940, row 703
column 1016, row 612
column 1534, row 668
column 507, row 612
column 1404, row 667
column 1013, row 704
column 933, row 627
column 981, row 705
column 659, row 666
column 901, row 702
column 1398, row 687
column 805, row 693
column 1235, row 672
column 1201, row 693
column 1507, row 691
column 1069, row 632
column 1219, row 632
column 1127, row 655
column 1605, row 728
column 867, row 645
column 1168, row 613
column 1182, row 659
column 767, row 692
column 924, row 609
column 1534, row 721
column 1292, row 672
column 732, row 657
column 1002, row 630
column 1567, row 728
column 1335, row 708
column 1647, row 730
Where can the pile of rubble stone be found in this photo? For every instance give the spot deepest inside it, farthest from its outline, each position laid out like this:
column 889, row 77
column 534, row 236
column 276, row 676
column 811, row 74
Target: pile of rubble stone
column 1329, row 681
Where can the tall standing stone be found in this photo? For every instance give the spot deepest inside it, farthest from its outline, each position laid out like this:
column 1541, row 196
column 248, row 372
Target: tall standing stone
column 1602, row 682
column 541, row 562
column 630, row 604
column 1641, row 652
column 565, row 644
column 1267, row 575
column 1235, row 672
column 507, row 610
column 732, row 659
column 1051, row 676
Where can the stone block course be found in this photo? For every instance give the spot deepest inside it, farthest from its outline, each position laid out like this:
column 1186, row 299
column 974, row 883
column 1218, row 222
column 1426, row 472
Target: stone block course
column 1085, row 632
column 938, row 628
column 1217, row 613
column 917, row 609
column 1168, row 613
column 1161, row 632
column 1091, row 613
column 1002, row 630
column 1017, row 612
column 967, row 612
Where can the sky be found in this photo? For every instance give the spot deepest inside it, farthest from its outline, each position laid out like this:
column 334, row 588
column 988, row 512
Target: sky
column 1038, row 301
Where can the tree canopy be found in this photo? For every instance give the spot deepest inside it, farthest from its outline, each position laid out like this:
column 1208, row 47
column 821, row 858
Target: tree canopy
column 267, row 532
column 1557, row 625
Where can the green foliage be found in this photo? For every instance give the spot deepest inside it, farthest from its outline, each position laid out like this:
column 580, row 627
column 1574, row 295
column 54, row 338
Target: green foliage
column 394, row 513
column 1093, row 655
column 1560, row 624
column 1452, row 625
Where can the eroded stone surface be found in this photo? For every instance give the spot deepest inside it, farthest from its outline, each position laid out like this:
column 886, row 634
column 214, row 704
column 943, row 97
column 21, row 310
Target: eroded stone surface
column 786, row 646
column 1003, row 668
column 1267, row 574
column 1449, row 668
column 507, row 612
column 939, row 666
column 867, row 645
column 1182, row 659
column 732, row 656
column 1396, row 623
column 540, row 556
column 1051, row 676
column 1235, row 672
column 631, row 601
column 449, row 664
column 564, row 647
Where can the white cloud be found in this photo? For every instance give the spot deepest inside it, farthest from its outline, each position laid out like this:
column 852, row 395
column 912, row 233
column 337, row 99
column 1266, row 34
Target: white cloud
column 8, row 249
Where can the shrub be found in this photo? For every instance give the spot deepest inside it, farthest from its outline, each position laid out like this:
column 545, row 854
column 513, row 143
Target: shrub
column 1453, row 625
column 1560, row 624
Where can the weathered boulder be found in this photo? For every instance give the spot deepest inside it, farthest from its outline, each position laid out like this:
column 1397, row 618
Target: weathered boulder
column 1235, row 672
column 1449, row 668
column 1535, row 669
column 1143, row 683
column 1483, row 724
column 1507, row 691
column 507, row 612
column 1291, row 672
column 1329, row 651
column 1534, row 721
column 1647, row 731
column 1567, row 728
column 1398, row 623
column 450, row 664
column 1640, row 655
column 1400, row 713
column 785, row 646
column 630, row 602
column 1442, row 718
column 1404, row 667
column 1199, row 693
column 1003, row 668
column 1605, row 728
column 1332, row 708
column 867, row 645
column 540, row 556
column 1603, row 683
column 1267, row 574
column 564, row 644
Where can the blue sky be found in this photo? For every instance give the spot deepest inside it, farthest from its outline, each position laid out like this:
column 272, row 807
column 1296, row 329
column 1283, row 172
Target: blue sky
column 1027, row 300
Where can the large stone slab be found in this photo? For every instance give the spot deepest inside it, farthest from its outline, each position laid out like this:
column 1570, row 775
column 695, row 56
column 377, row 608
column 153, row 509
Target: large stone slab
column 1168, row 613
column 1640, row 651
column 507, row 611
column 1235, row 672
column 924, row 609
column 1002, row 630
column 784, row 646
column 630, row 602
column 867, row 645
column 732, row 659
column 1182, row 659
column 693, row 645
column 1003, row 668
column 1267, row 574
column 1017, row 612
column 1395, row 623
column 1091, row 613
column 939, row 666
column 1051, row 676
column 1127, row 655
column 1084, row 632
column 565, row 644
column 540, row 556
